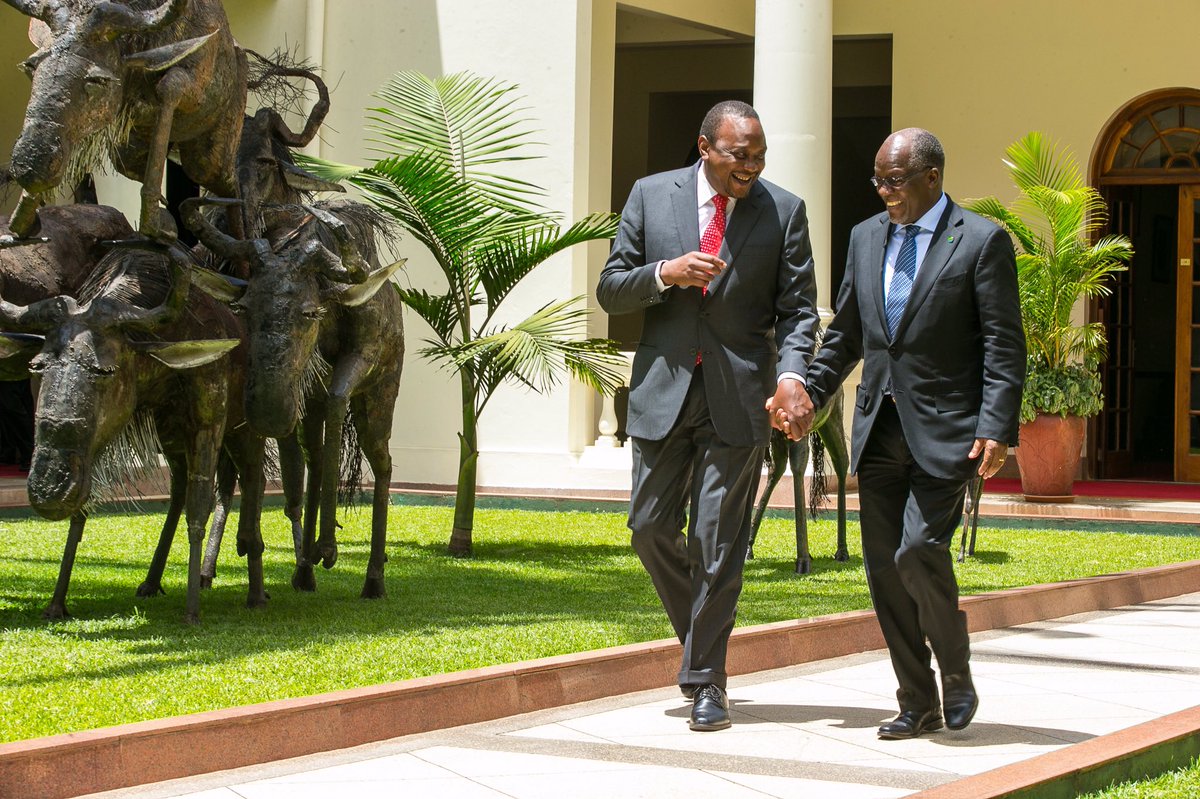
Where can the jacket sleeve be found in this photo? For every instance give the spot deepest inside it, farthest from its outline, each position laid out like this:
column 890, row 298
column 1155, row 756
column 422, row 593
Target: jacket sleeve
column 842, row 345
column 998, row 300
column 627, row 283
column 796, row 297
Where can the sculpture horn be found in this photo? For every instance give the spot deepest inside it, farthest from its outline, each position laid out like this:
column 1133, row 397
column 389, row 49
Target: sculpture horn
column 40, row 317
column 38, row 9
column 123, row 19
column 279, row 129
column 148, row 319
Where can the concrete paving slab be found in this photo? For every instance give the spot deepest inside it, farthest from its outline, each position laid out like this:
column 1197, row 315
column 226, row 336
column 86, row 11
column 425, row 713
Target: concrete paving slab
column 803, row 731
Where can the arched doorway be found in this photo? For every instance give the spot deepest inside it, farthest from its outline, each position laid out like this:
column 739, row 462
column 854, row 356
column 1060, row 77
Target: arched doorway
column 1146, row 163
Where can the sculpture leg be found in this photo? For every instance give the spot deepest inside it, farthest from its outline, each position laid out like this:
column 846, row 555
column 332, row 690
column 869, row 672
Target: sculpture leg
column 776, row 461
column 250, row 449
column 834, row 439
column 57, row 609
column 226, row 480
column 331, row 456
column 24, row 217
column 152, row 585
column 304, row 578
column 976, row 493
column 291, row 474
column 373, row 423
column 798, row 456
column 170, row 88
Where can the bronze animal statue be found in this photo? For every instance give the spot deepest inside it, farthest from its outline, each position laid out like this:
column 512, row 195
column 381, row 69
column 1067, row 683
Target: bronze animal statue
column 325, row 344
column 135, row 79
column 826, row 436
column 57, row 262
column 133, row 352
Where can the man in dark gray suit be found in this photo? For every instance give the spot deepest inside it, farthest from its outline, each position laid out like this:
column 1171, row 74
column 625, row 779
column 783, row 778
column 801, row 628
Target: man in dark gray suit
column 929, row 304
column 720, row 262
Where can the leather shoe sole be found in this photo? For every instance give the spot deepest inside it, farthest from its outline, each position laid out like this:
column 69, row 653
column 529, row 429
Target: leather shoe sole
column 711, row 709
column 911, row 724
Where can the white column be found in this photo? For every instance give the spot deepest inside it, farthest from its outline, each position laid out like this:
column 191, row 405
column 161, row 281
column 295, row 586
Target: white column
column 793, row 93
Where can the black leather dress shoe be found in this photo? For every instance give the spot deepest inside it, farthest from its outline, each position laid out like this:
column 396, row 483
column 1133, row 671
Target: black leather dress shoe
column 711, row 709
column 910, row 724
column 688, row 690
column 959, row 700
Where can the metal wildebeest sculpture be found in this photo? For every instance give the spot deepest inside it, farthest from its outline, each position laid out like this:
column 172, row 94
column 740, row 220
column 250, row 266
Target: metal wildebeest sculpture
column 826, row 436
column 135, row 353
column 133, row 78
column 325, row 344
column 58, row 263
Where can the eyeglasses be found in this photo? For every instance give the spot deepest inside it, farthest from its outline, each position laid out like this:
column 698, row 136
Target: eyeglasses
column 741, row 156
column 894, row 181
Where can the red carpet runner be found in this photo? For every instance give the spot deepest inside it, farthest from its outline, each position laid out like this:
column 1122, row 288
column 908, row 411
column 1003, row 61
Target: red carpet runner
column 1124, row 489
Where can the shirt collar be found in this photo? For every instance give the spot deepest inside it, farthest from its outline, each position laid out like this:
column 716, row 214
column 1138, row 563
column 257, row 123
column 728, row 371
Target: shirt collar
column 705, row 191
column 930, row 218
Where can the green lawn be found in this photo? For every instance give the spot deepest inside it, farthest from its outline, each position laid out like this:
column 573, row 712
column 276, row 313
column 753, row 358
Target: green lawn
column 1182, row 783
column 542, row 583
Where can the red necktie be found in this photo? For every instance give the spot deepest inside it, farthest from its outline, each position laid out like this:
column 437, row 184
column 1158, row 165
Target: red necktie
column 714, row 234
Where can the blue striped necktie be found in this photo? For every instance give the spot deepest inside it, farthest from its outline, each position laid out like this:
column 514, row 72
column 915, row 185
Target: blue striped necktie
column 903, row 274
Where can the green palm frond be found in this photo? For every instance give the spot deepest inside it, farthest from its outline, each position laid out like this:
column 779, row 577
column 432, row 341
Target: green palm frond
column 1034, row 162
column 504, row 262
column 424, row 195
column 1052, row 221
column 437, row 310
column 535, row 351
column 470, row 121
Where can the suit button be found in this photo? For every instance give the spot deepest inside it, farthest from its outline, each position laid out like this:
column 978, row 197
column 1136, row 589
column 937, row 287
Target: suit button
column 893, row 349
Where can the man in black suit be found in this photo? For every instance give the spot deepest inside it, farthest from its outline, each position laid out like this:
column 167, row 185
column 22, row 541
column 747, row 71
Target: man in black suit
column 720, row 262
column 929, row 304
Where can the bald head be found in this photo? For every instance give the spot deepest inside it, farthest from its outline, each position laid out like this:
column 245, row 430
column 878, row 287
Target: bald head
column 908, row 168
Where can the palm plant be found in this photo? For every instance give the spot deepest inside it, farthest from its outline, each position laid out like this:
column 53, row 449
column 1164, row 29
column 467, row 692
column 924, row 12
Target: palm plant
column 1052, row 221
column 442, row 139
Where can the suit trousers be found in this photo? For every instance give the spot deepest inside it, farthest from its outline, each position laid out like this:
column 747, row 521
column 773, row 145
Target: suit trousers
column 908, row 519
column 698, row 578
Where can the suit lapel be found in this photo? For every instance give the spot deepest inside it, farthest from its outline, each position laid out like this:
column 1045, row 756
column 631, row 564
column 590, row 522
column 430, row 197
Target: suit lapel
column 683, row 201
column 877, row 253
column 741, row 222
column 946, row 237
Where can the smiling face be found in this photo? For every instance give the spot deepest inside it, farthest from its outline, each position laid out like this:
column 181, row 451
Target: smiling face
column 921, row 189
column 736, row 157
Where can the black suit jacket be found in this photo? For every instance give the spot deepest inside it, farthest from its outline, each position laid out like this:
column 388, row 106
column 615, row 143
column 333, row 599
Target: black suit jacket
column 957, row 361
column 758, row 318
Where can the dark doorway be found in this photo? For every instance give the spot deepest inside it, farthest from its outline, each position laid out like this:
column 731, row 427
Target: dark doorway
column 1136, row 430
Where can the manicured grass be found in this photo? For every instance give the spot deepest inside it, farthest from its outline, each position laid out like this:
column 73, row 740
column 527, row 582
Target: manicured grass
column 1182, row 783
column 542, row 583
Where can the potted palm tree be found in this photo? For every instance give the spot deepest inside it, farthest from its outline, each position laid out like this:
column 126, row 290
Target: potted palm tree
column 442, row 140
column 1053, row 221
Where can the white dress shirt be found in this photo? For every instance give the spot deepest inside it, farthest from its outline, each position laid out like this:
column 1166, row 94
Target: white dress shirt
column 926, row 223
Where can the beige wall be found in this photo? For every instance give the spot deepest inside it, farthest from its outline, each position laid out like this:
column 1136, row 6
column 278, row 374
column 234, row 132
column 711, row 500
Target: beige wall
column 14, row 86
column 981, row 74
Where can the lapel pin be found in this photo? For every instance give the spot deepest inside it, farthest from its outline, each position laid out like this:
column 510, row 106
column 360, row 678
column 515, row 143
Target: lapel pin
column 949, row 239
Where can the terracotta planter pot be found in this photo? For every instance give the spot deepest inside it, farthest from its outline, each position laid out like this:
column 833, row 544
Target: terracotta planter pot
column 1048, row 457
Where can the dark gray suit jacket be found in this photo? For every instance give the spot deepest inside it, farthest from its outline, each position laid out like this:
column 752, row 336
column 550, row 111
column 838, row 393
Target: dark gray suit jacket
column 957, row 361
column 758, row 318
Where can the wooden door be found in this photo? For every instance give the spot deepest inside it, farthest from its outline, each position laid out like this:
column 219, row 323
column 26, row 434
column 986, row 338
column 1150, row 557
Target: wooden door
column 1187, row 338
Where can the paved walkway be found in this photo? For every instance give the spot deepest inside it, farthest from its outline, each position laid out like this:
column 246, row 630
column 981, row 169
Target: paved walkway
column 806, row 731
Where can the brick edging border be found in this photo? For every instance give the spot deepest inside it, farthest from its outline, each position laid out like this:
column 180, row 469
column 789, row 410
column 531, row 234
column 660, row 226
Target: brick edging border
column 72, row 764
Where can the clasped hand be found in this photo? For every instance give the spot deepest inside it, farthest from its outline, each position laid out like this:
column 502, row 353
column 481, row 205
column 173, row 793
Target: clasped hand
column 790, row 410
column 693, row 269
